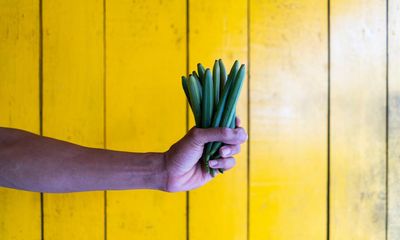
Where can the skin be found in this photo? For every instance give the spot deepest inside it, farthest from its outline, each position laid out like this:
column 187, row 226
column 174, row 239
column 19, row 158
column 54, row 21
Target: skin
column 41, row 164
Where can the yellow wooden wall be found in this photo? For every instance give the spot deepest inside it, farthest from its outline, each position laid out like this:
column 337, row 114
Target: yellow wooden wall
column 321, row 104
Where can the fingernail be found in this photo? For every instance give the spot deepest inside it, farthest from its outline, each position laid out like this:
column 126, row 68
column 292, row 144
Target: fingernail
column 226, row 151
column 212, row 163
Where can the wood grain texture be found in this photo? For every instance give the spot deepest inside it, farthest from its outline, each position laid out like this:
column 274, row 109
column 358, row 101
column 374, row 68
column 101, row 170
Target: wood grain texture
column 394, row 120
column 145, row 112
column 288, row 119
column 219, row 209
column 73, row 106
column 19, row 107
column 145, row 108
column 358, row 119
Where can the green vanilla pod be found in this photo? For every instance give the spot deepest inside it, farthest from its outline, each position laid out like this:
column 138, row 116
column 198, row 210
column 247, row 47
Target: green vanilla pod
column 198, row 84
column 222, row 77
column 204, row 161
column 201, row 70
column 185, row 88
column 234, row 70
column 233, row 97
column 216, row 81
column 223, row 100
column 207, row 106
column 233, row 123
column 195, row 99
column 194, row 73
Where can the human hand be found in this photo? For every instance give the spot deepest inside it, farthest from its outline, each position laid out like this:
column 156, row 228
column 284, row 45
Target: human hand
column 184, row 171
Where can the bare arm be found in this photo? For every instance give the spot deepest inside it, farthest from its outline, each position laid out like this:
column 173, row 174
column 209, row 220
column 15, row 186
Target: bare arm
column 35, row 163
column 41, row 164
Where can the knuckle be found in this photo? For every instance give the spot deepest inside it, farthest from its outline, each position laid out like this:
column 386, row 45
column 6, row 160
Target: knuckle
column 225, row 133
column 194, row 132
column 237, row 132
column 237, row 135
column 195, row 136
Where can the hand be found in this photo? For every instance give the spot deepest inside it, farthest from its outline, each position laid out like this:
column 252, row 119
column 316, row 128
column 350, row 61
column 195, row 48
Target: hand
column 184, row 171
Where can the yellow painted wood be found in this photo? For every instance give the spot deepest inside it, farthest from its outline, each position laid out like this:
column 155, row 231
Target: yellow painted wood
column 358, row 119
column 288, row 121
column 19, row 107
column 219, row 209
column 394, row 121
column 145, row 108
column 73, row 106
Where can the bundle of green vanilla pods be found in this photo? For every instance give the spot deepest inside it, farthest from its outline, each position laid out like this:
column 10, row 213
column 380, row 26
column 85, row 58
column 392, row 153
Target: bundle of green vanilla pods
column 213, row 97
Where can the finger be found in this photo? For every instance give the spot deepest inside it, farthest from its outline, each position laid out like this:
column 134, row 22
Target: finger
column 238, row 122
column 229, row 150
column 224, row 163
column 201, row 136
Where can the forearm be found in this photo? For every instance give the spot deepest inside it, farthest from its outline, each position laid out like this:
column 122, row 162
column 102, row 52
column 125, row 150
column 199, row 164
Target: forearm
column 35, row 163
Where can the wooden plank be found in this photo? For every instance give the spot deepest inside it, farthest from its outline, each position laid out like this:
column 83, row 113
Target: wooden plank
column 73, row 106
column 219, row 209
column 288, row 121
column 394, row 121
column 19, row 107
column 358, row 119
column 145, row 108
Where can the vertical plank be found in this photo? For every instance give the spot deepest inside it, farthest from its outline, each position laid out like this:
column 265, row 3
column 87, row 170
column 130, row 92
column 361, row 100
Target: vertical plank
column 73, row 106
column 219, row 209
column 19, row 106
column 288, row 121
column 358, row 119
column 394, row 120
column 145, row 108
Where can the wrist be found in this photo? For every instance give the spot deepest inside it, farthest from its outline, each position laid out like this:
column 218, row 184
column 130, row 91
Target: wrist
column 159, row 176
column 165, row 161
column 135, row 171
column 170, row 173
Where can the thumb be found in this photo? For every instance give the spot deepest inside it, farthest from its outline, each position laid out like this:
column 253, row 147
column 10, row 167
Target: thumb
column 201, row 136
